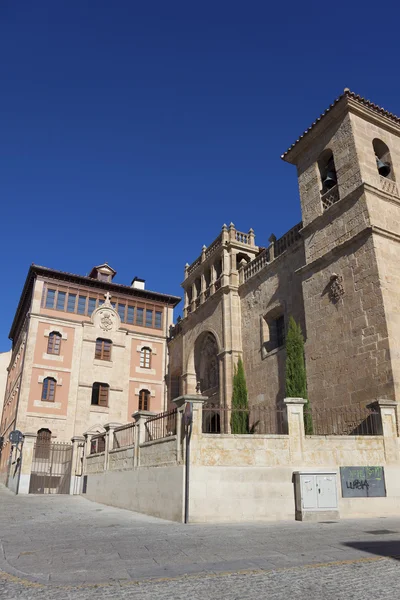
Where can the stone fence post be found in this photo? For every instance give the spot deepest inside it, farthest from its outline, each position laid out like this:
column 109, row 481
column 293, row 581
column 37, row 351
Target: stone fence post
column 295, row 417
column 140, row 417
column 28, row 450
column 78, row 444
column 109, row 427
column 388, row 410
column 197, row 401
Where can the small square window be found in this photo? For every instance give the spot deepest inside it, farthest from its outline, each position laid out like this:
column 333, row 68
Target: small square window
column 121, row 312
column 158, row 320
column 91, row 305
column 149, row 318
column 71, row 303
column 82, row 305
column 61, row 300
column 139, row 316
column 130, row 314
column 50, row 298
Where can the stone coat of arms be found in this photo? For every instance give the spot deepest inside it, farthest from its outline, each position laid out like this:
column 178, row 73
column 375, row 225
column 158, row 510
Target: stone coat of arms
column 106, row 322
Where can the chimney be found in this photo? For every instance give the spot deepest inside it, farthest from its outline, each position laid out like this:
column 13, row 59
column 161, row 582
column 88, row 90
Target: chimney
column 137, row 283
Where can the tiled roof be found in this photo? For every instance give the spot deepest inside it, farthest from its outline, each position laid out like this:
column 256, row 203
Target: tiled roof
column 35, row 270
column 348, row 94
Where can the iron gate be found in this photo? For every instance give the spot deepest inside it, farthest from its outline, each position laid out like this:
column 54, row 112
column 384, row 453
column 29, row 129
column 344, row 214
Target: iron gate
column 51, row 468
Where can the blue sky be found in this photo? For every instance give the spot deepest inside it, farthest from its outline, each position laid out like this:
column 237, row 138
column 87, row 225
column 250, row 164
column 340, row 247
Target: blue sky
column 131, row 131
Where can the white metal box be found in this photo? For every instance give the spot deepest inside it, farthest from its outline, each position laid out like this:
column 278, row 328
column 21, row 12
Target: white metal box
column 316, row 495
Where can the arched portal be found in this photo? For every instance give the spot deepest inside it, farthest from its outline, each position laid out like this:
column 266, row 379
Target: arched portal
column 206, row 365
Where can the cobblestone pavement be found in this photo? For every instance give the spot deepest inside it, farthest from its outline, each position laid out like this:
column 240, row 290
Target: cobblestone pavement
column 69, row 548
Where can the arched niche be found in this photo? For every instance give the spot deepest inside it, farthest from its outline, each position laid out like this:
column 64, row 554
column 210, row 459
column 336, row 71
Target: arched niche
column 383, row 159
column 206, row 364
column 327, row 171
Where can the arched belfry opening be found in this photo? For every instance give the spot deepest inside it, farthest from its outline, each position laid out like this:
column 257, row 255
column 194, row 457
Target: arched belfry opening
column 327, row 171
column 383, row 159
column 206, row 365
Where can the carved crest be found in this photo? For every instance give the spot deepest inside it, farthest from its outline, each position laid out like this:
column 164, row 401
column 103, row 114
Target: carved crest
column 106, row 320
column 336, row 289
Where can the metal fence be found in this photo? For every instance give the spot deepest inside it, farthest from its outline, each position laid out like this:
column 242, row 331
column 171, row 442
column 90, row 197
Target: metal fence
column 51, row 468
column 161, row 426
column 254, row 420
column 123, row 436
column 344, row 420
column 98, row 443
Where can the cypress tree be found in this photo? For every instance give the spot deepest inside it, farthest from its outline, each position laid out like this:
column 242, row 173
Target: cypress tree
column 296, row 380
column 240, row 413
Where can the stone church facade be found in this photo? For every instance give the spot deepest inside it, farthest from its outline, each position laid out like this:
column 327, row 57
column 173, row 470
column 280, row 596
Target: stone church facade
column 336, row 272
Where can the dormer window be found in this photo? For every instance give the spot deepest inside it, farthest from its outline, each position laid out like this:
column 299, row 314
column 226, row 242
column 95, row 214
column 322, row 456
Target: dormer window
column 103, row 273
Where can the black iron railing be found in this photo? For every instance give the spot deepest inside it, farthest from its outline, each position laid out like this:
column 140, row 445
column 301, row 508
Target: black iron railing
column 161, row 426
column 124, row 436
column 252, row 420
column 344, row 420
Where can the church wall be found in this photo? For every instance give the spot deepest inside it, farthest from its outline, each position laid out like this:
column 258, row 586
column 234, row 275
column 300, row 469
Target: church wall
column 276, row 288
column 347, row 346
column 388, row 257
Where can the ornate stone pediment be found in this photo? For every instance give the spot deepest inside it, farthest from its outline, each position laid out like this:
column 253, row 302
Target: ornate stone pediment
column 105, row 317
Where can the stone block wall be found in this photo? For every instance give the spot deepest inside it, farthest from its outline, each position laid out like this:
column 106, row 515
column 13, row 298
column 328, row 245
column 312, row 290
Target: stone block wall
column 276, row 287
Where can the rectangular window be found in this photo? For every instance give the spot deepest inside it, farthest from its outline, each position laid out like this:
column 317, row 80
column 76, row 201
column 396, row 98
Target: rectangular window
column 149, row 318
column 280, row 331
column 103, row 349
column 61, row 300
column 51, row 296
column 100, row 394
column 158, row 320
column 130, row 314
column 121, row 312
column 139, row 316
column 91, row 305
column 82, row 305
column 71, row 303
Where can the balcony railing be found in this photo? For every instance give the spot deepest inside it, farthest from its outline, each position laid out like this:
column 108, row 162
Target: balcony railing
column 389, row 186
column 330, row 197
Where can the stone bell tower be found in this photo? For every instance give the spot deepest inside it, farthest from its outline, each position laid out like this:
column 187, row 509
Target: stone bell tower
column 347, row 164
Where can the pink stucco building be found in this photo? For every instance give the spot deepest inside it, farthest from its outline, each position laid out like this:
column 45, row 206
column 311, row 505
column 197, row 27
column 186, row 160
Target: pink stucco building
column 85, row 351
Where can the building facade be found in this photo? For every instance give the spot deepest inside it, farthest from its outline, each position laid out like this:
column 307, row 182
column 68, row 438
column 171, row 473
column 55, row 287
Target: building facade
column 336, row 273
column 85, row 351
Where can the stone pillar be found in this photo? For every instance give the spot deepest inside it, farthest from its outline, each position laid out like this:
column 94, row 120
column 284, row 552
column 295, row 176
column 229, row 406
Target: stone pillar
column 272, row 240
column 78, row 446
column 295, row 417
column 225, row 268
column 197, row 402
column 140, row 417
column 189, row 383
column 202, row 288
column 388, row 410
column 251, row 237
column 26, row 463
column 232, row 232
column 213, row 279
column 109, row 427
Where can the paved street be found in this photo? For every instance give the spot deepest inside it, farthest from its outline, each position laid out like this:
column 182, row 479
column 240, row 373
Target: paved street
column 69, row 548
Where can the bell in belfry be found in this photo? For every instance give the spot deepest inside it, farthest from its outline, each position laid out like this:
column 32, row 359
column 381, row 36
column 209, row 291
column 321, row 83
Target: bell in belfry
column 383, row 167
column 330, row 180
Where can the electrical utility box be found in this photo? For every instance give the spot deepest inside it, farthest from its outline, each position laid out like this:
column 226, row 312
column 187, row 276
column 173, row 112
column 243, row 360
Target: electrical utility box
column 316, row 495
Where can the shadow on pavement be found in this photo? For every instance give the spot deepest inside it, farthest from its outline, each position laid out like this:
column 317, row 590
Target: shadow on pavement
column 379, row 548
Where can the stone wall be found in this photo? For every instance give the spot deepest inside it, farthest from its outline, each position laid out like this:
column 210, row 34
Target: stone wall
column 159, row 452
column 347, row 345
column 95, row 463
column 121, row 458
column 277, row 288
